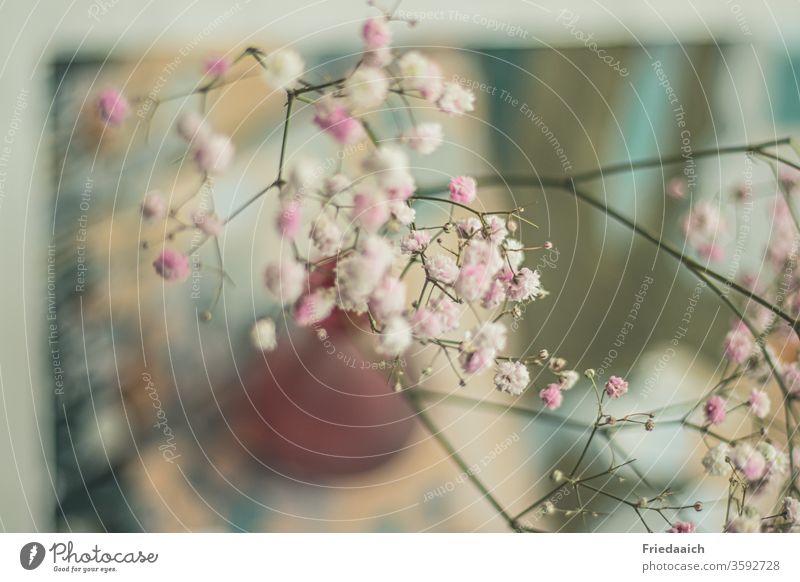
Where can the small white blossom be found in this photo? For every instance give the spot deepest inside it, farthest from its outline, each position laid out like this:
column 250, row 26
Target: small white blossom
column 395, row 337
column 367, row 87
column 714, row 460
column 512, row 377
column 263, row 336
column 424, row 138
column 282, row 68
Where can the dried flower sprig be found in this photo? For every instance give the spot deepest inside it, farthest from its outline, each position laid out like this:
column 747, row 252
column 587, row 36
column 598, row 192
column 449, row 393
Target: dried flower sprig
column 363, row 238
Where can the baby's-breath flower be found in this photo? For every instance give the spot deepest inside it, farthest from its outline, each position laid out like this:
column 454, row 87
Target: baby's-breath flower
column 442, row 268
column 282, row 68
column 367, row 87
column 172, row 265
column 285, row 280
column 263, row 336
column 512, row 377
column 415, row 242
column 463, row 189
column 759, row 403
column 456, row 100
column 715, row 409
column 113, row 107
column 424, row 138
column 616, row 387
column 568, row 379
column 715, row 460
column 551, row 396
column 154, row 206
column 395, row 337
column 313, row 307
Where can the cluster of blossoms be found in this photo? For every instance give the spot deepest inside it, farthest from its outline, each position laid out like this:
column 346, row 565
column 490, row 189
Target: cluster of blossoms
column 760, row 347
column 358, row 227
column 357, row 242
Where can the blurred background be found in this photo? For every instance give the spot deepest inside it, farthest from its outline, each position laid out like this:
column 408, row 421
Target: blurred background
column 123, row 412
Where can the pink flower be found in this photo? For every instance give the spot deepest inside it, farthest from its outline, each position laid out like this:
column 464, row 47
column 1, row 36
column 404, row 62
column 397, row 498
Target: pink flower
column 388, row 299
column 370, row 210
column 418, row 73
column 427, row 323
column 467, row 227
column 424, row 138
column 759, row 403
column 494, row 296
column 496, row 230
column 750, row 462
column 402, row 212
column 472, row 282
column 616, row 387
column 389, row 165
column 314, row 307
column 336, row 184
column 755, row 467
column 703, row 226
column 376, row 33
column 483, row 252
column 480, row 346
column 332, row 118
column 456, row 100
column 214, row 154
column 208, row 224
column 172, row 265
column 739, row 345
column 285, row 280
column 326, row 234
column 395, row 337
column 113, row 107
column 217, row 66
column 154, row 206
column 415, row 241
column 477, row 361
column 441, row 268
column 525, row 285
column 282, row 68
column 359, row 273
column 289, row 219
column 715, row 409
column 448, row 310
column 367, row 87
column 512, row 377
column 791, row 378
column 192, row 127
column 682, row 527
column 463, row 189
column 380, row 57
column 676, row 188
column 551, row 396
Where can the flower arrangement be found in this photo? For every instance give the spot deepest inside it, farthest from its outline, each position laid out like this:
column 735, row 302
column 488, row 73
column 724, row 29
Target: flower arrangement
column 356, row 244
